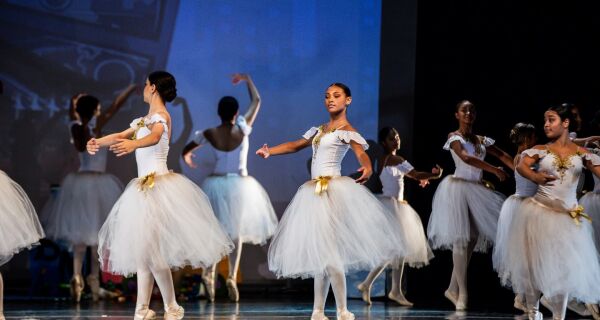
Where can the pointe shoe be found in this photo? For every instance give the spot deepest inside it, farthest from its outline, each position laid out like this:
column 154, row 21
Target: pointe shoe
column 174, row 313
column 594, row 310
column 579, row 308
column 318, row 315
column 452, row 297
column 232, row 289
column 144, row 313
column 400, row 299
column 535, row 315
column 94, row 284
column 519, row 305
column 461, row 304
column 344, row 314
column 209, row 283
column 77, row 286
column 366, row 292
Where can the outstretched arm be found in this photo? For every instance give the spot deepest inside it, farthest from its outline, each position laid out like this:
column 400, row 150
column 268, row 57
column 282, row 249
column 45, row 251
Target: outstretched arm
column 284, row 148
column 502, row 156
column 93, row 145
column 254, row 96
column 73, row 115
column 114, row 107
column 125, row 146
column 366, row 167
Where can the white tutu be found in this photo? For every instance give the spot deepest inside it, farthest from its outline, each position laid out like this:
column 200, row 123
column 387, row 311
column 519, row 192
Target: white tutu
column 417, row 251
column 19, row 225
column 171, row 224
column 591, row 202
column 81, row 207
column 344, row 227
column 548, row 250
column 456, row 204
column 501, row 247
column 242, row 206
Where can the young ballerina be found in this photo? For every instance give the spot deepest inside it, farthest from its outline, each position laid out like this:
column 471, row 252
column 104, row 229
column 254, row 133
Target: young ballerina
column 19, row 225
column 86, row 196
column 552, row 251
column 162, row 220
column 239, row 201
column 523, row 135
column 464, row 212
column 333, row 224
column 392, row 170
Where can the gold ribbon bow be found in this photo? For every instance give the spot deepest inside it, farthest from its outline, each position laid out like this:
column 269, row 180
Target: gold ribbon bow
column 577, row 213
column 140, row 124
column 322, row 184
column 147, row 182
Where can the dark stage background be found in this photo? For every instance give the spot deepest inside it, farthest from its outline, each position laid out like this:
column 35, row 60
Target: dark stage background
column 512, row 59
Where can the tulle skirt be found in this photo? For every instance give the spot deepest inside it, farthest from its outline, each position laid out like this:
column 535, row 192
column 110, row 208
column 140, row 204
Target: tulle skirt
column 344, row 227
column 170, row 224
column 242, row 206
column 81, row 207
column 501, row 247
column 417, row 251
column 591, row 202
column 460, row 207
column 19, row 224
column 551, row 253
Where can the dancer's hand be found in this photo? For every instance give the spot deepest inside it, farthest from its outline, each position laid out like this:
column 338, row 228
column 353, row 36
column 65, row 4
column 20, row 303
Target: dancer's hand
column 189, row 160
column 366, row 174
column 238, row 77
column 499, row 172
column 92, row 146
column 423, row 183
column 544, row 179
column 123, row 147
column 263, row 152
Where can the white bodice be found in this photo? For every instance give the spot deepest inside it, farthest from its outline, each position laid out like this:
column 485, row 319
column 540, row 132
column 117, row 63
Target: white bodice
column 463, row 170
column 596, row 179
column 392, row 179
column 330, row 149
column 152, row 158
column 567, row 171
column 229, row 162
column 87, row 162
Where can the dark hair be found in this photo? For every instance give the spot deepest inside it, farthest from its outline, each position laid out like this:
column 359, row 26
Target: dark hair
column 564, row 112
column 165, row 85
column 520, row 132
column 86, row 106
column 344, row 87
column 464, row 103
column 384, row 132
column 228, row 107
column 570, row 106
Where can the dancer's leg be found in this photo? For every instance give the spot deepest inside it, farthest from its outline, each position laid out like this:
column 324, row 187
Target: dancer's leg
column 145, row 284
column 337, row 277
column 365, row 286
column 396, row 292
column 321, row 289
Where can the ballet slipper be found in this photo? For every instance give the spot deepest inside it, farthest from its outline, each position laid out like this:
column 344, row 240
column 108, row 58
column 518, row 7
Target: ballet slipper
column 365, row 291
column 519, row 305
column 77, row 286
column 234, row 294
column 318, row 315
column 344, row 314
column 144, row 313
column 174, row 313
column 400, row 299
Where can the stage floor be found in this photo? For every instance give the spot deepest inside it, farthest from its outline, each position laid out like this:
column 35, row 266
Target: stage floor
column 221, row 310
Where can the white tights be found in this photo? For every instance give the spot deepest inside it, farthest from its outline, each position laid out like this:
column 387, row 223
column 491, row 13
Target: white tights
column 234, row 263
column 78, row 257
column 164, row 279
column 1, row 295
column 337, row 278
column 397, row 273
column 557, row 302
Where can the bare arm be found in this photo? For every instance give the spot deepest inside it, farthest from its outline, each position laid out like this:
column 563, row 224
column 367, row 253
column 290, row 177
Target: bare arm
column 188, row 153
column 506, row 159
column 254, row 97
column 583, row 142
column 114, row 107
column 435, row 173
column 284, row 148
column 524, row 169
column 365, row 163
column 126, row 146
column 73, row 115
column 476, row 162
column 93, row 145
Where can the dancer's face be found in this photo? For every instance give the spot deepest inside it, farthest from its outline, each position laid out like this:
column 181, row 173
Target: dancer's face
column 466, row 113
column 554, row 126
column 392, row 141
column 149, row 91
column 336, row 100
column 577, row 118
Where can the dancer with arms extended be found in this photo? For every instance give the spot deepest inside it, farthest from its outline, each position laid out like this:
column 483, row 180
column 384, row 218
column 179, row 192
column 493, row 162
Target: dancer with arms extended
column 162, row 220
column 333, row 224
column 239, row 201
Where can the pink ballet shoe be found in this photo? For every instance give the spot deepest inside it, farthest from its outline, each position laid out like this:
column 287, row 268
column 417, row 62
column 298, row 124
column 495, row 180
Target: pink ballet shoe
column 594, row 310
column 318, row 315
column 144, row 313
column 579, row 308
column 365, row 291
column 344, row 314
column 400, row 299
column 77, row 286
column 452, row 297
column 519, row 305
column 174, row 313
column 232, row 289
column 535, row 315
column 209, row 283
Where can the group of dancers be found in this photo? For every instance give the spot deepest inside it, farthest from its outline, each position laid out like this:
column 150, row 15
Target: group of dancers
column 543, row 241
